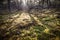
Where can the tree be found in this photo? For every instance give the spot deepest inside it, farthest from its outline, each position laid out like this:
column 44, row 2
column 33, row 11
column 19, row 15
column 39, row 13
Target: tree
column 9, row 5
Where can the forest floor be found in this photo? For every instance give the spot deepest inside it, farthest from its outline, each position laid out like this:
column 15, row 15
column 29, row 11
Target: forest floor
column 38, row 25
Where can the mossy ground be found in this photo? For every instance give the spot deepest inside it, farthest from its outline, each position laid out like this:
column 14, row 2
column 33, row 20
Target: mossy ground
column 48, row 31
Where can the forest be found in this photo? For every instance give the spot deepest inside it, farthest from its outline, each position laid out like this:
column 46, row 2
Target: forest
column 29, row 19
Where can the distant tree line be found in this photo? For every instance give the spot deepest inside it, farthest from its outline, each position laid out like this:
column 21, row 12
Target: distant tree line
column 16, row 4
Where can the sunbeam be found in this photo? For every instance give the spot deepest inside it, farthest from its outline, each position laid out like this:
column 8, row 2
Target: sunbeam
column 24, row 2
column 24, row 5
